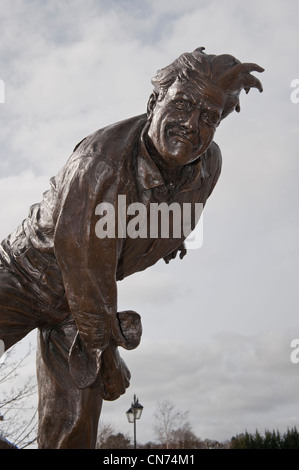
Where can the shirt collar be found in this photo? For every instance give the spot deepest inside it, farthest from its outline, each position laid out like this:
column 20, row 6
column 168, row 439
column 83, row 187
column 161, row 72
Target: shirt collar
column 150, row 176
column 148, row 173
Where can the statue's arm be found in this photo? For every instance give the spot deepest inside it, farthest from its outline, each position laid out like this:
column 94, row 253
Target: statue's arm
column 88, row 265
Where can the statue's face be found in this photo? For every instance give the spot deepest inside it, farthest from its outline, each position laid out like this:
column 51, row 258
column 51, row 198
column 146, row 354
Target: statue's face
column 183, row 123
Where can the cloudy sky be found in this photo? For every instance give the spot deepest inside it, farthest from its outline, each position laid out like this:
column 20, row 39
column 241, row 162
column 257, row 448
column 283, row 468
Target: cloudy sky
column 217, row 325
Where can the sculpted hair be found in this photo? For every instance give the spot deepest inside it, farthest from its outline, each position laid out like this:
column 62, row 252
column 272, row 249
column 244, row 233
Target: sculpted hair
column 221, row 71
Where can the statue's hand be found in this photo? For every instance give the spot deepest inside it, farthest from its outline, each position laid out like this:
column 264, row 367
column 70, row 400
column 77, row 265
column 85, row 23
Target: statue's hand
column 114, row 376
column 86, row 364
column 129, row 324
column 182, row 249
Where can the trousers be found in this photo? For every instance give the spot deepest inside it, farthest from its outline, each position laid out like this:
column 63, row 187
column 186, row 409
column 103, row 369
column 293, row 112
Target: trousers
column 68, row 416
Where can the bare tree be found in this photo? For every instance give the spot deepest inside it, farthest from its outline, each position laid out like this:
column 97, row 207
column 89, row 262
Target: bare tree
column 18, row 412
column 184, row 438
column 108, row 438
column 171, row 426
column 104, row 432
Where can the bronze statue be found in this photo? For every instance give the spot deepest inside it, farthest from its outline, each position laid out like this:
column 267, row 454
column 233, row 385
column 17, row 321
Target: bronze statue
column 59, row 275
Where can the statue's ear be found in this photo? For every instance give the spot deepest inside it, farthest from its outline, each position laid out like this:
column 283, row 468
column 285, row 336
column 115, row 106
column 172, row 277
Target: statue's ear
column 151, row 105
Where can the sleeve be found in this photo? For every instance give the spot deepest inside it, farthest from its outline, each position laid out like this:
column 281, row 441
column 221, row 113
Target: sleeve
column 88, row 263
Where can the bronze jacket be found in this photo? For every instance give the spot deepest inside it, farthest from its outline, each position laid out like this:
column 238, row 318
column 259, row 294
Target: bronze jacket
column 57, row 250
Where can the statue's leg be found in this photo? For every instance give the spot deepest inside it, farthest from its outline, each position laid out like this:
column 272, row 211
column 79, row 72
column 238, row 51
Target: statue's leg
column 68, row 416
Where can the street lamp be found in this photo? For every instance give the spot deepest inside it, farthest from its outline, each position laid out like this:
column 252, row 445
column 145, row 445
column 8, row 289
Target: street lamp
column 134, row 413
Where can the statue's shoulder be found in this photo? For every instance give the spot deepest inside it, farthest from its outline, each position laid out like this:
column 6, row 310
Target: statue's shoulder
column 103, row 152
column 213, row 158
column 114, row 138
column 214, row 152
column 211, row 162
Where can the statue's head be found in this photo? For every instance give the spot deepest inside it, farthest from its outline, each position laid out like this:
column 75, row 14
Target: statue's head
column 190, row 98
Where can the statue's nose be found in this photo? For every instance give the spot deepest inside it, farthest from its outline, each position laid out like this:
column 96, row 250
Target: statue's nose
column 191, row 121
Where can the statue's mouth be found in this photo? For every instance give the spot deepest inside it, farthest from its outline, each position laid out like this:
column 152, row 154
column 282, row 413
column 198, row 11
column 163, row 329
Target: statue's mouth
column 184, row 138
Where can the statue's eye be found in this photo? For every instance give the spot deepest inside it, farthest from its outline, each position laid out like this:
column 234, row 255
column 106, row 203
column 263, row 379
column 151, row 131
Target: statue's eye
column 182, row 104
column 210, row 118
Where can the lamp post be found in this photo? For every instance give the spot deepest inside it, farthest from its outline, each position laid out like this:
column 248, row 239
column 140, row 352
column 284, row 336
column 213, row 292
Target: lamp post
column 133, row 414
